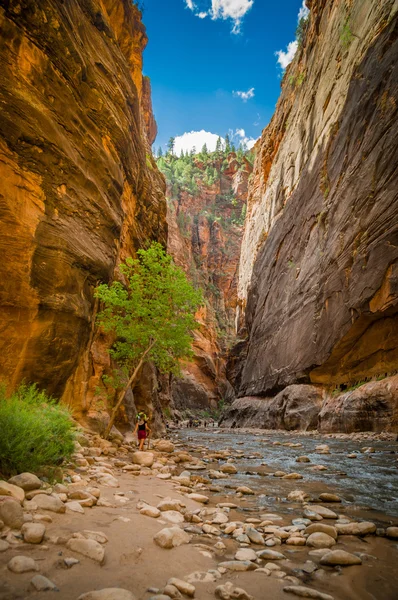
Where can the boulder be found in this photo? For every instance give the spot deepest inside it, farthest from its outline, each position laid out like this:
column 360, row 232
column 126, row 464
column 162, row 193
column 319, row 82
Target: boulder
column 33, row 533
column 144, row 459
column 173, row 516
column 51, row 503
column 26, row 481
column 108, row 594
column 341, row 558
column 150, row 511
column 323, row 528
column 11, row 513
column 22, row 564
column 8, row 489
column 363, row 528
column 254, row 536
column 245, row 554
column 229, row 468
column 392, row 532
column 171, row 537
column 165, row 446
column 319, row 539
column 324, row 512
column 89, row 548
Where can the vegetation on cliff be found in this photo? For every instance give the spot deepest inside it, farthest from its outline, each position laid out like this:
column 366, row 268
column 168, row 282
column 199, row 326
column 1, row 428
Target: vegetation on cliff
column 36, row 432
column 152, row 317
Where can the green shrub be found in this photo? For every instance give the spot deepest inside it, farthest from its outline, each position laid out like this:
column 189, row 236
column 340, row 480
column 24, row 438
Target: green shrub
column 35, row 431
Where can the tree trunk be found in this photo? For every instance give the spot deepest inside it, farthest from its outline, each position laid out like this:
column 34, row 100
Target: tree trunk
column 124, row 391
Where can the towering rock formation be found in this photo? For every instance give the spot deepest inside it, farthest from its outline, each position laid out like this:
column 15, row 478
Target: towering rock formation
column 318, row 279
column 205, row 223
column 80, row 190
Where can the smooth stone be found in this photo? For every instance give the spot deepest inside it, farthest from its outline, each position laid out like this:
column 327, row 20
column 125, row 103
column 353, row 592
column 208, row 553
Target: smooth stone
column 229, row 468
column 70, row 562
column 171, row 592
column 254, row 536
column 22, row 564
column 150, row 511
column 238, row 565
column 362, row 528
column 26, row 481
column 324, row 512
column 229, row 592
column 293, row 476
column 243, row 489
column 51, row 503
column 170, row 504
column 319, row 539
column 74, row 507
column 4, row 545
column 182, row 586
column 280, row 473
column 220, row 518
column 108, row 594
column 295, row 541
column 165, row 446
column 144, row 459
column 198, row 498
column 322, row 528
column 298, row 496
column 270, row 555
column 304, row 592
column 33, row 533
column 392, row 532
column 42, row 584
column 341, row 558
column 245, row 554
column 171, row 537
column 89, row 548
column 11, row 513
column 8, row 489
column 326, row 497
column 303, row 459
column 97, row 536
column 173, row 516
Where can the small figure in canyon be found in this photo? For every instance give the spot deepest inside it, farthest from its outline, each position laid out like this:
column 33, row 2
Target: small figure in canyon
column 142, row 430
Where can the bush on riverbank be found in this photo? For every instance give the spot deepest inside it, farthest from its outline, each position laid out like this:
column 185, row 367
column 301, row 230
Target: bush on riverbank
column 36, row 432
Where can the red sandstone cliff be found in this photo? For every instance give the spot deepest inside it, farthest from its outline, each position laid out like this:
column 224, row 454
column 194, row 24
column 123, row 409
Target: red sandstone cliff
column 80, row 190
column 318, row 268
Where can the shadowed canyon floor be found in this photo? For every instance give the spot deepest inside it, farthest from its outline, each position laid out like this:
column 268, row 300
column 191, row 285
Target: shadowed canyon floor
column 246, row 527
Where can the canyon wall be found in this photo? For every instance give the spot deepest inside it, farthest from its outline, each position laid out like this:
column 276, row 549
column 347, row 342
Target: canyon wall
column 318, row 278
column 205, row 231
column 80, row 190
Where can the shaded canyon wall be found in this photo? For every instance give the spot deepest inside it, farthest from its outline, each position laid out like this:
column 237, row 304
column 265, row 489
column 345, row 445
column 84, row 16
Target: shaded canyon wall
column 318, row 279
column 79, row 188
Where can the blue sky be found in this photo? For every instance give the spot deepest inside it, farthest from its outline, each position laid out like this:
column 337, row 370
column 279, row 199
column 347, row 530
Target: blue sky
column 196, row 63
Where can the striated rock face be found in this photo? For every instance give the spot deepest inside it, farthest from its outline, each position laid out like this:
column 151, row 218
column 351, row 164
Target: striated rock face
column 205, row 230
column 80, row 190
column 318, row 278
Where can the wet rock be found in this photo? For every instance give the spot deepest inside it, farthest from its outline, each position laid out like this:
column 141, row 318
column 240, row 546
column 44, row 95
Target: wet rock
column 15, row 492
column 42, row 584
column 11, row 513
column 295, row 541
column 243, row 489
column 324, row 512
column 340, row 557
column 319, row 539
column 229, row 468
column 26, row 481
column 150, row 511
column 270, row 555
column 33, row 533
column 22, row 564
column 237, row 565
column 229, row 592
column 254, row 536
column 108, row 594
column 144, row 459
column 304, row 592
column 363, row 528
column 298, row 496
column 323, row 528
column 303, row 459
column 51, row 503
column 326, row 497
column 322, row 449
column 245, row 554
column 309, row 567
column 392, row 532
column 89, row 548
column 293, row 476
column 198, row 498
column 182, row 586
column 171, row 537
column 220, row 518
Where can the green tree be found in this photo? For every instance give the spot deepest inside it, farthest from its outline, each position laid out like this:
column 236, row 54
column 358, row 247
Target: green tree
column 204, row 150
column 218, row 145
column 227, row 143
column 152, row 317
column 170, row 145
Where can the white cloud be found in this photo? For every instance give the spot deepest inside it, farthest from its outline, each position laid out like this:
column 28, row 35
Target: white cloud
column 284, row 58
column 245, row 96
column 195, row 139
column 222, row 9
column 241, row 138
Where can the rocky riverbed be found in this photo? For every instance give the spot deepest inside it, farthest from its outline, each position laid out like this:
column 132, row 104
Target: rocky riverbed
column 202, row 516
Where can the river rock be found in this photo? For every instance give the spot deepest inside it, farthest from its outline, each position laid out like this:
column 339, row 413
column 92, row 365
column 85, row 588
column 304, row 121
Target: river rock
column 108, row 480
column 270, row 555
column 11, row 513
column 319, row 539
column 326, row 497
column 303, row 459
column 229, row 592
column 33, row 533
column 26, row 481
column 173, row 516
column 150, row 511
column 392, row 532
column 198, row 498
column 108, row 594
column 295, row 540
column 363, row 528
column 51, row 503
column 171, row 592
column 8, row 489
column 229, row 468
column 340, row 557
column 245, row 554
column 322, row 528
column 244, row 489
column 254, row 536
column 4, row 546
column 22, row 564
column 170, row 504
column 42, row 584
column 89, row 548
column 238, row 565
column 304, row 592
column 182, row 586
column 298, row 496
column 280, row 474
column 220, row 518
column 165, row 446
column 144, row 459
column 324, row 512
column 74, row 506
column 171, row 537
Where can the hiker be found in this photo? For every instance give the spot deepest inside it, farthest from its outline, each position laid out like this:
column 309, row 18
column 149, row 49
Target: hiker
column 142, row 429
